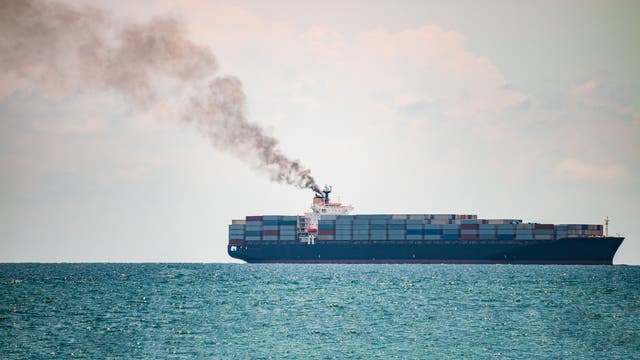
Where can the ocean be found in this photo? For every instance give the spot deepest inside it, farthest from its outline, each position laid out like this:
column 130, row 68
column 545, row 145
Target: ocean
column 242, row 311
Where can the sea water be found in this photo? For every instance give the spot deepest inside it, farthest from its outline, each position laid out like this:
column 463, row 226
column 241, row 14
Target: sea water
column 318, row 311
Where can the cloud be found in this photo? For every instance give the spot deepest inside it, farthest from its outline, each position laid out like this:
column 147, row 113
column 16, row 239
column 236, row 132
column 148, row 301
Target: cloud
column 436, row 64
column 75, row 126
column 574, row 169
column 597, row 94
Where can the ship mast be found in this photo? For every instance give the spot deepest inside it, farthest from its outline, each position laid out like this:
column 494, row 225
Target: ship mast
column 606, row 226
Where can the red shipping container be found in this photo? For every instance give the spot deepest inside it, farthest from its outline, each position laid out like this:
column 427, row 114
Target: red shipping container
column 326, row 232
column 236, row 242
column 468, row 237
column 254, row 218
column 469, row 226
column 544, row 226
column 270, row 232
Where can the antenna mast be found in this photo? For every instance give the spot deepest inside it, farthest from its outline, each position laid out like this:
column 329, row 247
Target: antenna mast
column 606, row 226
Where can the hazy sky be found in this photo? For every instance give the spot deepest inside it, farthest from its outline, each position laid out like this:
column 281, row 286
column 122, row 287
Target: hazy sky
column 501, row 109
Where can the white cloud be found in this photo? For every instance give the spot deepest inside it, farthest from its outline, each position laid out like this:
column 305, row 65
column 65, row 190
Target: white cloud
column 574, row 169
column 71, row 125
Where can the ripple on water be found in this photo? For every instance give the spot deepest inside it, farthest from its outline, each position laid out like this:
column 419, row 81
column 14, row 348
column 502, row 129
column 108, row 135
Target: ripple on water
column 318, row 311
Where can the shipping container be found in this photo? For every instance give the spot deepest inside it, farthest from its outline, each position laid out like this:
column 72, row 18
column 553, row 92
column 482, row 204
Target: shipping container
column 271, row 217
column 440, row 222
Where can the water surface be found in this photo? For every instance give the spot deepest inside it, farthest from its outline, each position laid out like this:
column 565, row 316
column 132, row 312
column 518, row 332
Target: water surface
column 318, row 311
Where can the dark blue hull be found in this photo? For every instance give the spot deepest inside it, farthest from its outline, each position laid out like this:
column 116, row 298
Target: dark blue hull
column 590, row 251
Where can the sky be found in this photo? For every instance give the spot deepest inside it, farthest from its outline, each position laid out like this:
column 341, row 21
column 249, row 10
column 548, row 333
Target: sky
column 501, row 109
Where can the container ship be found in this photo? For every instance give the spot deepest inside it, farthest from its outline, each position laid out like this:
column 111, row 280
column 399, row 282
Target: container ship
column 328, row 234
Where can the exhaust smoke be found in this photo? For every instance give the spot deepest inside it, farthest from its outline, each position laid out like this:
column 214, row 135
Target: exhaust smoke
column 60, row 50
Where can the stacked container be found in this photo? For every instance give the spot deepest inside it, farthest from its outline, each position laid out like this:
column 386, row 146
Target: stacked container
column 469, row 231
column 270, row 231
column 378, row 229
column 486, row 231
column 327, row 228
column 506, row 231
column 543, row 231
column 396, row 229
column 524, row 232
column 577, row 230
column 402, row 227
column 253, row 228
column 361, row 230
column 236, row 233
column 287, row 227
column 450, row 232
column 432, row 231
column 414, row 228
column 344, row 228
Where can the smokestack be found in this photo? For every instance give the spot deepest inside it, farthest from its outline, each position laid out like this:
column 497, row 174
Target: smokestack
column 60, row 50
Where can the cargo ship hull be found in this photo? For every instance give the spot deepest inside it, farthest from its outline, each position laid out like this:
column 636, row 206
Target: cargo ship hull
column 574, row 250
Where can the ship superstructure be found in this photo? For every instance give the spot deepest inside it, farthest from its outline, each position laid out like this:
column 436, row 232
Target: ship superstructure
column 321, row 206
column 328, row 233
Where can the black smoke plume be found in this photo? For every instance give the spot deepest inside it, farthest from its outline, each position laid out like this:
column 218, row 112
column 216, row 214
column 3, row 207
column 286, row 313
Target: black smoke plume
column 62, row 49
